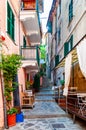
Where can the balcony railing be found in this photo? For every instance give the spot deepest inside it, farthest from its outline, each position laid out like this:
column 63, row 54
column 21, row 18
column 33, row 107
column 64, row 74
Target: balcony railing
column 30, row 53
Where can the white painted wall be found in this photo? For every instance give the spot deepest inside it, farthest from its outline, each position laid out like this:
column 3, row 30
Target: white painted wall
column 77, row 27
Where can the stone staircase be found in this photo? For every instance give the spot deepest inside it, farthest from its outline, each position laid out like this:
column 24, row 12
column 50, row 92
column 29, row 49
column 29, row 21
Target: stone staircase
column 45, row 106
column 45, row 82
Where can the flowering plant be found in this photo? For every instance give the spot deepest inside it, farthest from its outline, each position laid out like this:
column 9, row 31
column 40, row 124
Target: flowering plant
column 31, row 82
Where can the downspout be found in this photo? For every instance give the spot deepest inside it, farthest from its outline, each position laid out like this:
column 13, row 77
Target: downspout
column 3, row 97
column 19, row 23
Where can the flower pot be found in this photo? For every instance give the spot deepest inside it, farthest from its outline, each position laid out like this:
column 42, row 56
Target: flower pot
column 19, row 117
column 11, row 119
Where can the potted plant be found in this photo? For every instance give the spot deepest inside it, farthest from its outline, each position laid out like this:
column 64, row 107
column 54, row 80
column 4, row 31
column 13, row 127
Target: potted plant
column 62, row 82
column 10, row 65
column 11, row 116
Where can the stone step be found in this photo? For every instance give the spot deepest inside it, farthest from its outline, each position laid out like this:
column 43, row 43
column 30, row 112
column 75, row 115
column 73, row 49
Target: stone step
column 44, row 94
column 45, row 100
column 44, row 90
column 45, row 116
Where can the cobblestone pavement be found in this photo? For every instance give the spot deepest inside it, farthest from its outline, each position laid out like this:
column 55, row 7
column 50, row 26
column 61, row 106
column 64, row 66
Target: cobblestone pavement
column 47, row 115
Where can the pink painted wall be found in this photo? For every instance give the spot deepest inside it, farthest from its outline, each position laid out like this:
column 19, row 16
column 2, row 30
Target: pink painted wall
column 8, row 46
column 2, row 29
column 21, row 79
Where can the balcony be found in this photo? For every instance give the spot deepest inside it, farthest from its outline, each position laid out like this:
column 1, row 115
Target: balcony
column 28, row 4
column 29, row 17
column 30, row 56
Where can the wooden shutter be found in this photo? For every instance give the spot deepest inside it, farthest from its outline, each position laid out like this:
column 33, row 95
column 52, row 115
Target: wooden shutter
column 56, row 60
column 10, row 21
column 70, row 10
column 66, row 48
column 71, row 41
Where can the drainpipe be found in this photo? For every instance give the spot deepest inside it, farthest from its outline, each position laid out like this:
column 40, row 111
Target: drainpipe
column 2, row 89
column 4, row 101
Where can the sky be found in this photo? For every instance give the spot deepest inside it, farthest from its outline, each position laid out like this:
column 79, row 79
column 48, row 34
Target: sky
column 44, row 16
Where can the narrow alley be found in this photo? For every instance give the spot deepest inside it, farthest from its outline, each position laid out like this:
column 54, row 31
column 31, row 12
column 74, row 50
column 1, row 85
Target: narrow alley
column 43, row 64
column 47, row 115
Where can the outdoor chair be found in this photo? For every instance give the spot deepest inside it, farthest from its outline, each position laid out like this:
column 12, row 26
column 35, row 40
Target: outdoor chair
column 28, row 99
column 81, row 103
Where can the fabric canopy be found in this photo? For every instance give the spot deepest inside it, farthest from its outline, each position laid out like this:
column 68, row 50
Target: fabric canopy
column 67, row 73
column 81, row 53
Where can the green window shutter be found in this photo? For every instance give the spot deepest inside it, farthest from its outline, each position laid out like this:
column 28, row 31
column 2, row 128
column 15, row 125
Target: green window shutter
column 71, row 41
column 49, row 27
column 56, row 60
column 71, row 10
column 37, row 55
column 66, row 48
column 59, row 34
column 10, row 22
column 8, row 16
column 13, row 29
column 8, row 10
column 24, row 42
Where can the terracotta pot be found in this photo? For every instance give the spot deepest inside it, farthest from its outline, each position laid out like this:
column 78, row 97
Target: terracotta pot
column 11, row 119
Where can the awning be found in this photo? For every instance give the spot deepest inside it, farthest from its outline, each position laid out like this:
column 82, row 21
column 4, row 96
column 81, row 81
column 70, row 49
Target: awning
column 74, row 55
column 74, row 59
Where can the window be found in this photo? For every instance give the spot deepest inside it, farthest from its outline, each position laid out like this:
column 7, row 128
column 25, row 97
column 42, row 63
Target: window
column 10, row 22
column 59, row 9
column 65, row 49
column 59, row 35
column 70, row 43
column 68, row 46
column 49, row 27
column 70, row 10
column 60, row 6
column 24, row 41
column 56, row 60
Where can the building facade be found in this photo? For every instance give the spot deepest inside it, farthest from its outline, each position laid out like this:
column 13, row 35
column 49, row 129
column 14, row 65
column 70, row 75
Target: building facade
column 69, row 30
column 20, row 33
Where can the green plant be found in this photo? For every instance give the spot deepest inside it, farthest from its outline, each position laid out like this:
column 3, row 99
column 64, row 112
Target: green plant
column 62, row 82
column 12, row 110
column 9, row 66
